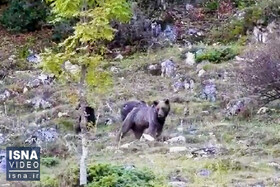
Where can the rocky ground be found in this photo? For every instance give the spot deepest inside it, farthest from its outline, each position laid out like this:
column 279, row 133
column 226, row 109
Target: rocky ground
column 205, row 142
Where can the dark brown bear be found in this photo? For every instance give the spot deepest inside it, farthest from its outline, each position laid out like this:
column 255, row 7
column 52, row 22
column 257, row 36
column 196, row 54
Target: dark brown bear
column 90, row 116
column 128, row 107
column 148, row 119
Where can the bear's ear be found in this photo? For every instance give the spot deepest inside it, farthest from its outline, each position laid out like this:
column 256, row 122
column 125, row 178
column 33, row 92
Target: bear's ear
column 155, row 103
column 167, row 101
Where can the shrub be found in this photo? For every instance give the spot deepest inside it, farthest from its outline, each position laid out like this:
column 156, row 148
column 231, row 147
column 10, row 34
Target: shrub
column 24, row 15
column 263, row 12
column 63, row 29
column 106, row 175
column 49, row 161
column 48, row 182
column 262, row 74
column 217, row 55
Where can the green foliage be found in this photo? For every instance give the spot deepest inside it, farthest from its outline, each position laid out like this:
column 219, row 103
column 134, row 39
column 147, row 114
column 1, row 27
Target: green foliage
column 49, row 161
column 217, row 55
column 105, row 175
column 229, row 32
column 86, row 46
column 241, row 4
column 224, row 165
column 48, row 182
column 23, row 51
column 63, row 29
column 24, row 15
column 66, row 123
column 211, row 6
column 237, row 28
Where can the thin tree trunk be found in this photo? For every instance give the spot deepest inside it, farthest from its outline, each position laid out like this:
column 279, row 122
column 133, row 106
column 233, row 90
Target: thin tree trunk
column 83, row 126
column 83, row 123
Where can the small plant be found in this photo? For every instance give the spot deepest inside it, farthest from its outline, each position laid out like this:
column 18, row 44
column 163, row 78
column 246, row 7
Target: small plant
column 217, row 55
column 24, row 15
column 211, row 6
column 224, row 165
column 103, row 175
column 49, row 161
column 63, row 29
column 107, row 175
column 48, row 182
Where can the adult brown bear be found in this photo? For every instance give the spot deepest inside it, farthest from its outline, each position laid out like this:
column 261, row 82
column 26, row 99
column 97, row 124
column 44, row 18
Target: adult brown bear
column 148, row 119
column 128, row 107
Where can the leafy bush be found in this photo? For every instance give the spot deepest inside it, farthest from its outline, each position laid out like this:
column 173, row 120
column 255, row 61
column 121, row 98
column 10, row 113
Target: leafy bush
column 261, row 74
column 63, row 29
column 48, row 182
column 49, row 161
column 211, row 6
column 217, row 55
column 24, row 15
column 106, row 175
column 263, row 12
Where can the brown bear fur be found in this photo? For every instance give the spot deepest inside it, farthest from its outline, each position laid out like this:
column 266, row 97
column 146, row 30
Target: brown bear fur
column 128, row 107
column 148, row 119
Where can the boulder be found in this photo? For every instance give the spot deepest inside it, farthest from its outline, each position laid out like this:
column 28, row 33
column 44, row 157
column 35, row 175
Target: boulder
column 2, row 161
column 39, row 103
column 209, row 92
column 190, row 59
column 34, row 58
column 168, row 68
column 147, row 137
column 177, row 184
column 178, row 139
column 43, row 135
column 71, row 68
column 154, row 69
column 177, row 149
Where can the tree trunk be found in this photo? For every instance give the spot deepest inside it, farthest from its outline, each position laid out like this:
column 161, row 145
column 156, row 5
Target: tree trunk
column 83, row 126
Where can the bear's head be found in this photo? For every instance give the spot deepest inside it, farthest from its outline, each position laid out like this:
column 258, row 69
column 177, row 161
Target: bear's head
column 162, row 108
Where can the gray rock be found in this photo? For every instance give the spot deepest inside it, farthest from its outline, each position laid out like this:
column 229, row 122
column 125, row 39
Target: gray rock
column 2, row 161
column 258, row 184
column 44, row 135
column 209, row 92
column 201, row 72
column 183, row 84
column 177, row 149
column 12, row 58
column 190, row 58
column 156, row 29
column 34, row 58
column 39, row 103
column 170, row 33
column 204, row 173
column 71, row 68
column 234, row 107
column 33, row 83
column 178, row 139
column 2, row 139
column 168, row 68
column 177, row 184
column 204, row 152
column 154, row 69
column 119, row 57
column 46, row 79
column 5, row 95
